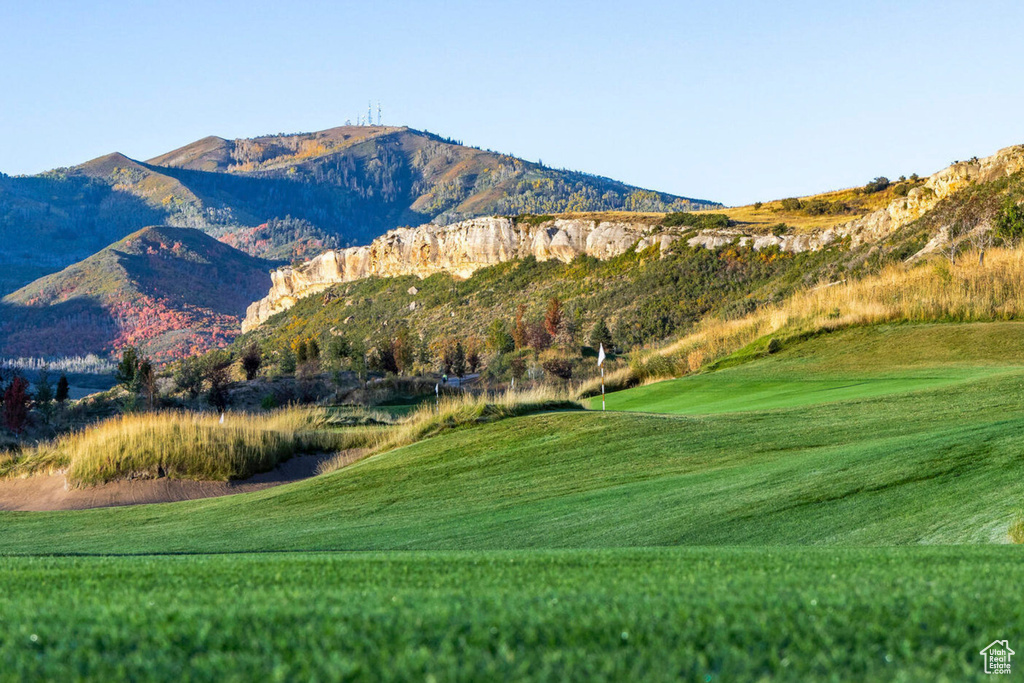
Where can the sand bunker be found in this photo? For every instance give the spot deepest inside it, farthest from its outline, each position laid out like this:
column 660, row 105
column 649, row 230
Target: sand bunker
column 51, row 492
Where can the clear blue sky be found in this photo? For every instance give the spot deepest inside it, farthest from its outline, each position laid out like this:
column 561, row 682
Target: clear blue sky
column 733, row 101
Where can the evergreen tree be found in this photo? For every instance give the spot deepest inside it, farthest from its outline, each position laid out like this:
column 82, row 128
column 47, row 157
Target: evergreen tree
column 146, row 381
column 63, row 389
column 286, row 361
column 127, row 367
column 188, row 376
column 600, row 334
column 44, row 390
column 218, row 375
column 459, row 360
column 498, row 338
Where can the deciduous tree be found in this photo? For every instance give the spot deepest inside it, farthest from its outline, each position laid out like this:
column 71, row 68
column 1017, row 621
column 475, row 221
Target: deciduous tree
column 252, row 360
column 16, row 404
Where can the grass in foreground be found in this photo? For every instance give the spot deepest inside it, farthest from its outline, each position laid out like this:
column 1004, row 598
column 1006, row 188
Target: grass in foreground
column 655, row 614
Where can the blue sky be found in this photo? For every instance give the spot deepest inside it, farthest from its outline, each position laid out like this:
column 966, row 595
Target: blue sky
column 733, row 101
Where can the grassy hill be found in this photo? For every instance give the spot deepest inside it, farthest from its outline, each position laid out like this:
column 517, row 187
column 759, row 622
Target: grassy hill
column 718, row 529
column 301, row 193
column 767, row 469
column 171, row 291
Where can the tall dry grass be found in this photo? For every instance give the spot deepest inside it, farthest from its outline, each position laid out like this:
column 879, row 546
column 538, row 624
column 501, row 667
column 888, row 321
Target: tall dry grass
column 198, row 446
column 930, row 291
column 192, row 445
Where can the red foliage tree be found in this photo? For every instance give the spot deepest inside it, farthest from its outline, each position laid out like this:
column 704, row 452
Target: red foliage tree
column 553, row 318
column 16, row 405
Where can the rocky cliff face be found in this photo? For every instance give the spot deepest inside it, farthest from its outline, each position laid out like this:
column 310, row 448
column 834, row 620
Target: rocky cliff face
column 462, row 248
column 904, row 210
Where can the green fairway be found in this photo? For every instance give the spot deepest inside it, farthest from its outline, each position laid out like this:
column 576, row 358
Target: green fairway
column 542, row 539
column 733, row 391
column 656, row 614
column 853, row 364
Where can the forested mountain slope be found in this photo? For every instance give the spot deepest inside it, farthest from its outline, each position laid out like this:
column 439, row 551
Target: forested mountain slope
column 287, row 196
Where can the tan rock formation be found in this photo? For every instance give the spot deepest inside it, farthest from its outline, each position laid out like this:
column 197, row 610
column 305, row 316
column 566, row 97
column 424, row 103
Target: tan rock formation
column 460, row 249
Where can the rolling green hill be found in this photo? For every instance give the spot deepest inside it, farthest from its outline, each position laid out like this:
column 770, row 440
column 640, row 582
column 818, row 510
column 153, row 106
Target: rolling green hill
column 747, row 535
column 819, row 470
column 299, row 193
column 170, row 291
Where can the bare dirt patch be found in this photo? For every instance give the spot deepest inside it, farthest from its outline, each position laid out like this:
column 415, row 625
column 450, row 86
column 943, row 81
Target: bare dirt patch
column 52, row 492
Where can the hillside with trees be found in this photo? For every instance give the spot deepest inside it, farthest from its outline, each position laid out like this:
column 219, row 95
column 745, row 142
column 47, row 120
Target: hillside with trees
column 549, row 316
column 288, row 196
column 169, row 291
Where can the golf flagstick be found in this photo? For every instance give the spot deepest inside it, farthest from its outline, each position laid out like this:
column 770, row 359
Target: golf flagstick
column 600, row 364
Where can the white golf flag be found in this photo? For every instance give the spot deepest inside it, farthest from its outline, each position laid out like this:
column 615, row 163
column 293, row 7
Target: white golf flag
column 600, row 355
column 222, row 418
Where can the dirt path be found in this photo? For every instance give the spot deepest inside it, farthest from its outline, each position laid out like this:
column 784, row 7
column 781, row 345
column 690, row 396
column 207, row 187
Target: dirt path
column 51, row 492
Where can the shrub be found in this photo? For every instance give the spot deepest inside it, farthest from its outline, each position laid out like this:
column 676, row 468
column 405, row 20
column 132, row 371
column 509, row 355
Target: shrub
column 1010, row 222
column 877, row 185
column 774, row 345
column 559, row 367
column 792, row 204
column 702, row 221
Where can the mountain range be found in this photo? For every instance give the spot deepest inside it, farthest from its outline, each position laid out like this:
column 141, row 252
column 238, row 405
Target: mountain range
column 287, row 196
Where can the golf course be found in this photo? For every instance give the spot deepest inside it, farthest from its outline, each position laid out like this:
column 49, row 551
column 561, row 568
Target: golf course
column 846, row 503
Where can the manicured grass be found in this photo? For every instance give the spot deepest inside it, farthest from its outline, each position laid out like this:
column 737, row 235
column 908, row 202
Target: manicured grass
column 719, row 614
column 938, row 465
column 856, row 363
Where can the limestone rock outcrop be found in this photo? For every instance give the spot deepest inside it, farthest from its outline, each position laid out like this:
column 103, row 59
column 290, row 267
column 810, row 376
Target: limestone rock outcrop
column 460, row 249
